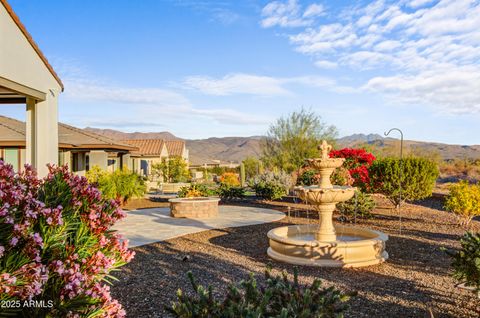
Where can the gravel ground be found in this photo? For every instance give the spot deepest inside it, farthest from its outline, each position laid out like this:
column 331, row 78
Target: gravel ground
column 414, row 282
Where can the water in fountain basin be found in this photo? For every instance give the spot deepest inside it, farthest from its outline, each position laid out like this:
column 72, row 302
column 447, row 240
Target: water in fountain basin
column 311, row 237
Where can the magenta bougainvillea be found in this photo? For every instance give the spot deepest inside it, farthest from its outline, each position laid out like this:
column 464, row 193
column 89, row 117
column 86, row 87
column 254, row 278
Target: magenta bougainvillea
column 357, row 161
column 56, row 246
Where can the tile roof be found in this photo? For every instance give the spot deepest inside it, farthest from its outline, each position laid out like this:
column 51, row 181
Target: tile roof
column 147, row 147
column 175, row 147
column 31, row 41
column 76, row 137
column 12, row 133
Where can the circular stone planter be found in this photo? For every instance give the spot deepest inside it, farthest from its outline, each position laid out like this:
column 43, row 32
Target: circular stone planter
column 195, row 208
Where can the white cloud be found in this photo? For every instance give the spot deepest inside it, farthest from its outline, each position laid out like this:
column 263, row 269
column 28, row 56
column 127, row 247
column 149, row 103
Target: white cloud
column 422, row 42
column 251, row 84
column 455, row 91
column 387, row 45
column 237, row 84
column 419, row 3
column 325, row 64
column 313, row 10
column 148, row 102
column 289, row 14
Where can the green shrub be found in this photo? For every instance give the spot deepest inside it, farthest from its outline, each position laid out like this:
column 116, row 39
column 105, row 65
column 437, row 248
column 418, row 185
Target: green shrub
column 466, row 261
column 464, row 201
column 417, row 182
column 308, row 177
column 278, row 297
column 270, row 185
column 228, row 192
column 341, row 176
column 57, row 246
column 196, row 190
column 120, row 185
column 173, row 169
column 363, row 203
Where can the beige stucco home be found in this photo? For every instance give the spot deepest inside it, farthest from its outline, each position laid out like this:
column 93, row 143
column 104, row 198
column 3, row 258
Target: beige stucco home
column 152, row 151
column 26, row 78
column 79, row 149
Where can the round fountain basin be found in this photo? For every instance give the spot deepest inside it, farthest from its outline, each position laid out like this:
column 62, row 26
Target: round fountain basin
column 354, row 246
column 316, row 195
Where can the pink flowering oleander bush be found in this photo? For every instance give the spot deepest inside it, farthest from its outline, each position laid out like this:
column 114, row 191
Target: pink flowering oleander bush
column 56, row 246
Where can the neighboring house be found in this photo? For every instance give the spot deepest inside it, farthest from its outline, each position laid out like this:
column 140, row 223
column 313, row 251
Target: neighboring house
column 152, row 151
column 177, row 148
column 26, row 78
column 79, row 149
column 213, row 163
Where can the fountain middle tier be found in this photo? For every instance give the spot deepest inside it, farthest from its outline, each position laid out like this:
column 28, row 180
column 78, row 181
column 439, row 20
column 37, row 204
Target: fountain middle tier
column 324, row 202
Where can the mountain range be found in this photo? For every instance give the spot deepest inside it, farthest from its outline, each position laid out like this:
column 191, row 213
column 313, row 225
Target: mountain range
column 235, row 149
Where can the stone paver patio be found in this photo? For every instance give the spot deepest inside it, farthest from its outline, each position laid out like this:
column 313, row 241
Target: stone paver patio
column 153, row 225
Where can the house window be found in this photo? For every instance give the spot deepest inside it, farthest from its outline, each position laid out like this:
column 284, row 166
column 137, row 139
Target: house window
column 74, row 163
column 87, row 162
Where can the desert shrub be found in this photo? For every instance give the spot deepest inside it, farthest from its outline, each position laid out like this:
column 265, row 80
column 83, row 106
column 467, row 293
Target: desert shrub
column 196, row 190
column 362, row 202
column 173, row 169
column 228, row 192
column 417, row 181
column 277, row 297
column 121, row 185
column 341, row 176
column 271, row 185
column 464, row 200
column 253, row 166
column 357, row 162
column 308, row 177
column 229, row 178
column 56, row 245
column 466, row 261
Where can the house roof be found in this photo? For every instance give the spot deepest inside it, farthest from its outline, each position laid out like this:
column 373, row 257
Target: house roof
column 175, row 147
column 73, row 137
column 12, row 133
column 29, row 38
column 147, row 147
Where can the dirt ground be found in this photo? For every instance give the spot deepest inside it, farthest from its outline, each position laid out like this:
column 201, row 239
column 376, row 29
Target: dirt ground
column 414, row 282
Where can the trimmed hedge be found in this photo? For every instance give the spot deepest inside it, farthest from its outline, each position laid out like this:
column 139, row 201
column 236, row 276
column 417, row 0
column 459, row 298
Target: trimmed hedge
column 418, row 176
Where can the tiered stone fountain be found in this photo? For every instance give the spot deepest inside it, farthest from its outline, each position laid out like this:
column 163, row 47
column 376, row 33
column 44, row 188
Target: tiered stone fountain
column 324, row 244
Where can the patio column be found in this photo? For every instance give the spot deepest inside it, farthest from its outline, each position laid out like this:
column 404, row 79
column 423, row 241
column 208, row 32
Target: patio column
column 42, row 132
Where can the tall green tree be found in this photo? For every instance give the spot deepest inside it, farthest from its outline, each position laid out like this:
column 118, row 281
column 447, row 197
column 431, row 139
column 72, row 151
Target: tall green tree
column 173, row 169
column 252, row 167
column 292, row 139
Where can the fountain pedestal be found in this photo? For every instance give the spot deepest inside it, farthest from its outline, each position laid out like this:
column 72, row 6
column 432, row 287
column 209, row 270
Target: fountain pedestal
column 325, row 244
column 326, row 230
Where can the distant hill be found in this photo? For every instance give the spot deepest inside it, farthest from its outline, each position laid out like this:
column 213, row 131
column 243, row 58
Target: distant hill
column 120, row 135
column 356, row 139
column 227, row 149
column 444, row 151
column 235, row 149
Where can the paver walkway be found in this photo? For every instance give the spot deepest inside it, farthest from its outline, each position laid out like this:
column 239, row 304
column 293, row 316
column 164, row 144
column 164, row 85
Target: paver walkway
column 153, row 225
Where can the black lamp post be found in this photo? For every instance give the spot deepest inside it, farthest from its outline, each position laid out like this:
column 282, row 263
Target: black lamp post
column 400, row 173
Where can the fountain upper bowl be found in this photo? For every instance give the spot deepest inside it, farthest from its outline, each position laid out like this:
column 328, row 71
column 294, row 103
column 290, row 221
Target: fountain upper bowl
column 329, row 163
column 316, row 195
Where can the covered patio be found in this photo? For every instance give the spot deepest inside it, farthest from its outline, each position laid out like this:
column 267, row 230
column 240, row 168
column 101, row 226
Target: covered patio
column 27, row 78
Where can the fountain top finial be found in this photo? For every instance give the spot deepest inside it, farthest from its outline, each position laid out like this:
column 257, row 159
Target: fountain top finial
column 325, row 148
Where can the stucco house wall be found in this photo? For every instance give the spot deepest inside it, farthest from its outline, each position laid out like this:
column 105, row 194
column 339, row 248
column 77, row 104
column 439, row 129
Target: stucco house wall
column 24, row 68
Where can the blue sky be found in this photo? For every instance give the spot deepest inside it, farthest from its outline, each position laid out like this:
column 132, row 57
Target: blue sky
column 229, row 68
